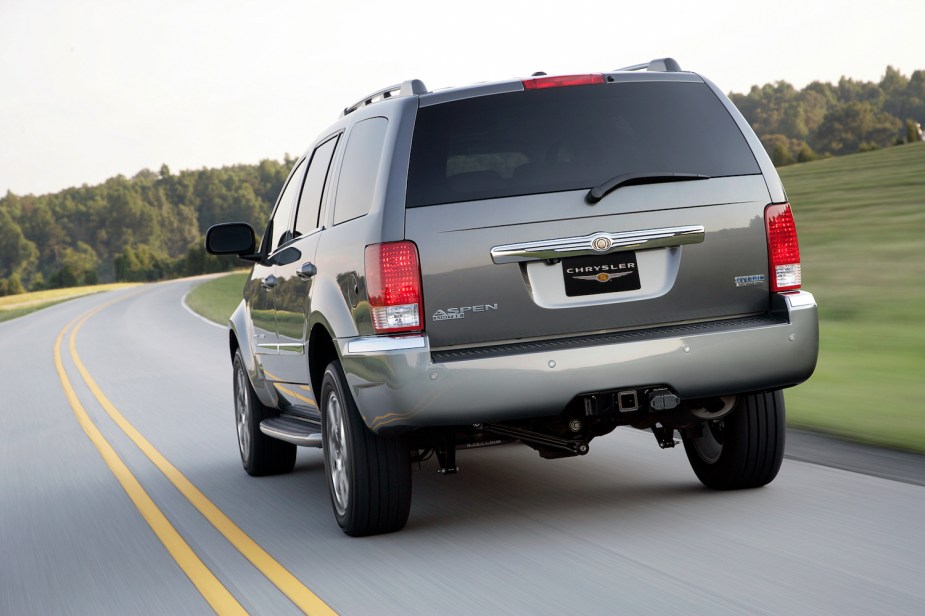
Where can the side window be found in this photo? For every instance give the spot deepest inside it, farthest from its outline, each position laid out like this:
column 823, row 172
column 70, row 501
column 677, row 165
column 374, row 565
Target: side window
column 357, row 181
column 279, row 224
column 310, row 201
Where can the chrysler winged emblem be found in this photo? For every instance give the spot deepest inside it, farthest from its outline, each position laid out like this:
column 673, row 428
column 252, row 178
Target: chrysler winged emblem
column 603, row 276
column 601, row 243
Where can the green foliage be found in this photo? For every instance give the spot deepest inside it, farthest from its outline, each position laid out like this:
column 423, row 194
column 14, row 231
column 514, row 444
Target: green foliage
column 145, row 228
column 11, row 285
column 832, row 120
column 856, row 127
column 78, row 267
column 141, row 264
column 16, row 252
column 913, row 131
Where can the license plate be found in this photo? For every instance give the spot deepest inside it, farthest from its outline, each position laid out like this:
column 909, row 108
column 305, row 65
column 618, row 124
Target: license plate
column 611, row 273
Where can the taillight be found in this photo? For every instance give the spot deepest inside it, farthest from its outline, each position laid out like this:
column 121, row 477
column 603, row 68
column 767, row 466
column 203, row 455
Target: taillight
column 562, row 80
column 783, row 248
column 393, row 283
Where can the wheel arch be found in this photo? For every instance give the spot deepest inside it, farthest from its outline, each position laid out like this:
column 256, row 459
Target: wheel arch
column 239, row 339
column 321, row 352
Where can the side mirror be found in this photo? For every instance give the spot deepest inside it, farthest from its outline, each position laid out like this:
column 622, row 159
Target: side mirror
column 231, row 238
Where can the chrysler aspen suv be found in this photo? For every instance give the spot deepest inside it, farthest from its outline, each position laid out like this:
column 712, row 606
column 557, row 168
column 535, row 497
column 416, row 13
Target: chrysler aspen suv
column 538, row 261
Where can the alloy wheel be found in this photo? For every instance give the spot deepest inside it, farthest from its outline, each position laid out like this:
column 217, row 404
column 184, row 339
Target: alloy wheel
column 338, row 453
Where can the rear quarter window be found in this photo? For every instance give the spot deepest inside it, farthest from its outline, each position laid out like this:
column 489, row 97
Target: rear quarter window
column 570, row 138
column 360, row 168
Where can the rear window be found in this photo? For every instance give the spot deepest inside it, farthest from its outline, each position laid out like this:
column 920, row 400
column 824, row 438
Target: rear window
column 570, row 138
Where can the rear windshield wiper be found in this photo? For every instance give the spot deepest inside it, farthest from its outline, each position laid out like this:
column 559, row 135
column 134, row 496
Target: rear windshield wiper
column 599, row 192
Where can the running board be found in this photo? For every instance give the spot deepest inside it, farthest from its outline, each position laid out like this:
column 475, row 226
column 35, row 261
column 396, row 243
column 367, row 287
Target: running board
column 295, row 431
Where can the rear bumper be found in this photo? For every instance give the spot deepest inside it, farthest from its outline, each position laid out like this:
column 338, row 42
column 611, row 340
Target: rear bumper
column 398, row 383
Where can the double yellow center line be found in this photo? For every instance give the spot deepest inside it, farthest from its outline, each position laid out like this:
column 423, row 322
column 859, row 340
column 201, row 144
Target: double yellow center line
column 214, row 592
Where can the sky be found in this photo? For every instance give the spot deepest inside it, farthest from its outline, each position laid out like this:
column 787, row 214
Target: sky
column 98, row 88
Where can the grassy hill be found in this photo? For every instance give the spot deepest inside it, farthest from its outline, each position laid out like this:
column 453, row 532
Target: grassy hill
column 861, row 221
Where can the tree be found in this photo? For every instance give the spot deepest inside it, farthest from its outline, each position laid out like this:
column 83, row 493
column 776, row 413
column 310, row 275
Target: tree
column 17, row 253
column 914, row 98
column 78, row 267
column 11, row 285
column 849, row 126
column 785, row 151
column 913, row 131
column 806, row 154
column 894, row 84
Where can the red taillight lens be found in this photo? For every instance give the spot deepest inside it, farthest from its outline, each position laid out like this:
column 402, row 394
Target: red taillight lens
column 562, row 80
column 393, row 283
column 783, row 248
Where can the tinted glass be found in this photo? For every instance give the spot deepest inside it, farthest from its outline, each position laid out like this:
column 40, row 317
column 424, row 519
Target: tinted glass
column 310, row 201
column 287, row 200
column 357, row 181
column 230, row 238
column 570, row 138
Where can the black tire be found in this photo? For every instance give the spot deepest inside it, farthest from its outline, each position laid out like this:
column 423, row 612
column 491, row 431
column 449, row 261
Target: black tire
column 368, row 476
column 745, row 448
column 260, row 454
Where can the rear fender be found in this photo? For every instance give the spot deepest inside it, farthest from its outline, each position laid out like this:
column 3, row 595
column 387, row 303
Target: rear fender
column 331, row 307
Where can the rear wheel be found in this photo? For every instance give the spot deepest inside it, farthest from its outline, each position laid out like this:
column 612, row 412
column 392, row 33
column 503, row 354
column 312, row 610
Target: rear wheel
column 369, row 477
column 260, row 454
column 744, row 449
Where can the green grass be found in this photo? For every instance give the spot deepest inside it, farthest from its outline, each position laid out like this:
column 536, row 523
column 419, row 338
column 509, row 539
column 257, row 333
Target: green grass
column 13, row 306
column 861, row 221
column 217, row 298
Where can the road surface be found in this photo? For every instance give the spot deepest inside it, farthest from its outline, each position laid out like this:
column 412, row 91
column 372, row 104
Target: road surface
column 122, row 492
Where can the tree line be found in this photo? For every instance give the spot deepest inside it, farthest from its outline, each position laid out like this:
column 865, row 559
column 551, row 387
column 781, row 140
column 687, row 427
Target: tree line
column 144, row 228
column 825, row 119
column 151, row 226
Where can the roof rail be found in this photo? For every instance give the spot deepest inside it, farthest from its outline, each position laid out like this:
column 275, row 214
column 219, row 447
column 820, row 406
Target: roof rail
column 662, row 65
column 408, row 88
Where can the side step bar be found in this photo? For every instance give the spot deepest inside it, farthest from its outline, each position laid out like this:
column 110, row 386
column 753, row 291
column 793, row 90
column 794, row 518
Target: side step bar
column 291, row 430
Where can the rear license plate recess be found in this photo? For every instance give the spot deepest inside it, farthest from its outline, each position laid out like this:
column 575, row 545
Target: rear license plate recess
column 596, row 274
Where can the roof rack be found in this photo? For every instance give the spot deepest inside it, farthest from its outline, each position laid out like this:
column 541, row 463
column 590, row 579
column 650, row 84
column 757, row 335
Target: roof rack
column 662, row 65
column 407, row 88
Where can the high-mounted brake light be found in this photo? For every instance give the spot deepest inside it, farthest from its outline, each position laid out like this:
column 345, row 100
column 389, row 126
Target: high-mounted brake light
column 783, row 248
column 561, row 80
column 393, row 283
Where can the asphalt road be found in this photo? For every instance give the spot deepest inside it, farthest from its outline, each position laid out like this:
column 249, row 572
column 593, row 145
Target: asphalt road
column 624, row 530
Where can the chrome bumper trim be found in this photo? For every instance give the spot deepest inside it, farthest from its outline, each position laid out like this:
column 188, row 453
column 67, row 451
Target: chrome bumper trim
column 599, row 243
column 379, row 344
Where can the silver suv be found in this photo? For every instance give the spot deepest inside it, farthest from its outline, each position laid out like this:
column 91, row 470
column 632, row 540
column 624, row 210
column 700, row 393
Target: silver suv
column 534, row 261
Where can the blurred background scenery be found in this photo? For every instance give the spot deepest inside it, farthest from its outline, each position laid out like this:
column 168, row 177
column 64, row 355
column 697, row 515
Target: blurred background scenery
column 127, row 129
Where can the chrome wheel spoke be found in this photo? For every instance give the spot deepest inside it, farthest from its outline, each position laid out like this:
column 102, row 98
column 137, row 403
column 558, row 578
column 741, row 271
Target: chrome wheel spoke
column 338, row 454
column 242, row 412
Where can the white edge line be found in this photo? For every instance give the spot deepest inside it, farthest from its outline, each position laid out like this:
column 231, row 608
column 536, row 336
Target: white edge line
column 195, row 314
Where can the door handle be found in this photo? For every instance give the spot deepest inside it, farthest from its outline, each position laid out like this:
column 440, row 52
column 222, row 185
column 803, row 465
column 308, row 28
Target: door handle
column 269, row 282
column 307, row 271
